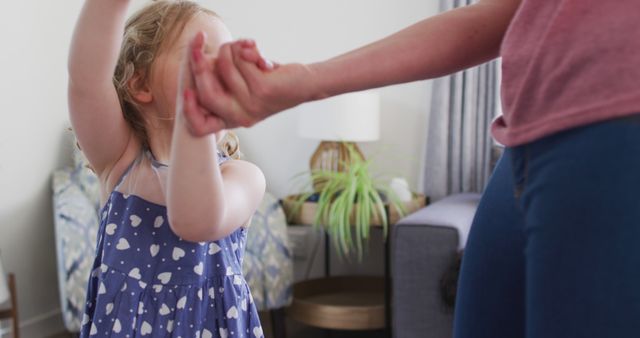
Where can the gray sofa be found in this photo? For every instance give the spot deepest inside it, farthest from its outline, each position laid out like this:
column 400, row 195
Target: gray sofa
column 425, row 249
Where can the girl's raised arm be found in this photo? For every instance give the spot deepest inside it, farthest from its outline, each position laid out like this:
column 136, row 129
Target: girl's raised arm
column 94, row 107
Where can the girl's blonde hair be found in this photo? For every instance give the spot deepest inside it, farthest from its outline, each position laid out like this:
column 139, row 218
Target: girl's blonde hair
column 147, row 33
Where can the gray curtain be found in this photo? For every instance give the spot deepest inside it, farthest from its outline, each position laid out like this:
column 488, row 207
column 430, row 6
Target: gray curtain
column 459, row 146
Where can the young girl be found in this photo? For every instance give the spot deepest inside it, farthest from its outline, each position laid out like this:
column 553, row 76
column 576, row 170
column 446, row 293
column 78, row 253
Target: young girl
column 171, row 238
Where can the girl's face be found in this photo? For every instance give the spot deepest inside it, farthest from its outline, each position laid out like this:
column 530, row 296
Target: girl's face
column 164, row 81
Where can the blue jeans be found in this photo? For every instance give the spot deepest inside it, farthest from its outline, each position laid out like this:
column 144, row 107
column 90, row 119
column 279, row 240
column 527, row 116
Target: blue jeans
column 554, row 250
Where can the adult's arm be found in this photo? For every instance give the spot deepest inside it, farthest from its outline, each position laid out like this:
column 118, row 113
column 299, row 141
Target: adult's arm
column 237, row 92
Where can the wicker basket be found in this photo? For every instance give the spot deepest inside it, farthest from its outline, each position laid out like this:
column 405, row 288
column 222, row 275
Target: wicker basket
column 307, row 212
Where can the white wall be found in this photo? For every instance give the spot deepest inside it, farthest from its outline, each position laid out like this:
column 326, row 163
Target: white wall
column 35, row 38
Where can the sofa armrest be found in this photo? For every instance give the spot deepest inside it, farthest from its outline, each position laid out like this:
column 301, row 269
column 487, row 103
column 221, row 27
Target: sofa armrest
column 421, row 255
column 425, row 248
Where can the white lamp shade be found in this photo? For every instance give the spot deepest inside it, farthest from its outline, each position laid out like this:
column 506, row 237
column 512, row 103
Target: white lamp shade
column 352, row 117
column 4, row 291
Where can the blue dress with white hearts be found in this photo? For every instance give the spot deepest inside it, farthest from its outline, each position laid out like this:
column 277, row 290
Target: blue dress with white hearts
column 148, row 282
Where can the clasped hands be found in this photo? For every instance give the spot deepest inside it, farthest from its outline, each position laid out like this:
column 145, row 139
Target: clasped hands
column 238, row 87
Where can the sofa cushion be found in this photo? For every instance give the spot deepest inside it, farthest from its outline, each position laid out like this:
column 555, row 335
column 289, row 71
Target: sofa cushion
column 85, row 178
column 267, row 265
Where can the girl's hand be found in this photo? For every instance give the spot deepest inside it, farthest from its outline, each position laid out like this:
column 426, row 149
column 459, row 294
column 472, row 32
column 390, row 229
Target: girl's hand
column 240, row 87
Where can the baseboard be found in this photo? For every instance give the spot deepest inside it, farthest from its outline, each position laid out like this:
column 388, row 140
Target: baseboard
column 43, row 325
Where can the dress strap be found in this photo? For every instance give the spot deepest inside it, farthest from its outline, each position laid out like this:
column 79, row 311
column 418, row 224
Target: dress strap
column 157, row 164
column 154, row 162
column 125, row 174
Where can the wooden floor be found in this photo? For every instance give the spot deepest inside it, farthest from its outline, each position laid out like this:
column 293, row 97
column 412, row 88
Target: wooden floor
column 294, row 330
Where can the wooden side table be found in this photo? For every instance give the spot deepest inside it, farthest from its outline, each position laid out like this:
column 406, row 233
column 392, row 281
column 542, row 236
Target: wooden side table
column 346, row 302
column 12, row 313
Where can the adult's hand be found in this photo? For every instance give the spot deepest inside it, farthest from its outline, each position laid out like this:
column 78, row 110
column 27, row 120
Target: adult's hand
column 240, row 88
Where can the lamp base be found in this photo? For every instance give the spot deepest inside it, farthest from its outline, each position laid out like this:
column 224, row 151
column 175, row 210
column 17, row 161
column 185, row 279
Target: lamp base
column 333, row 156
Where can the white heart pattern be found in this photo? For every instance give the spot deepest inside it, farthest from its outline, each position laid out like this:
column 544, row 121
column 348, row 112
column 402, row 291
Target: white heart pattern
column 232, row 313
column 206, row 334
column 224, row 333
column 229, row 271
column 234, row 246
column 164, row 310
column 142, row 284
column 243, row 304
column 157, row 288
column 214, row 248
column 109, row 308
column 212, row 293
column 140, row 308
column 117, row 327
column 94, row 329
column 237, row 280
column 154, row 249
column 123, row 244
column 145, row 329
column 198, row 268
column 102, row 289
column 158, row 222
column 182, row 302
column 200, row 294
column 135, row 220
column 135, row 273
column 170, row 326
column 177, row 253
column 111, row 228
column 164, row 277
column 257, row 331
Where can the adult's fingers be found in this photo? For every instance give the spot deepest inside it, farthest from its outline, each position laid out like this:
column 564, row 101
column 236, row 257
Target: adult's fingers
column 250, row 53
column 248, row 43
column 253, row 75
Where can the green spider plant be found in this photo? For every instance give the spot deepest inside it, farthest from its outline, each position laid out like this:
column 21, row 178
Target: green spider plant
column 348, row 202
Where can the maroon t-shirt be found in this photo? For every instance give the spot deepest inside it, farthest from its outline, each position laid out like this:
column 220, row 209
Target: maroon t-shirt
column 567, row 63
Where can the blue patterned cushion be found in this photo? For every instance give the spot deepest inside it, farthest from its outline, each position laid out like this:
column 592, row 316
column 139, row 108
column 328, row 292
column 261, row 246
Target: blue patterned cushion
column 85, row 178
column 268, row 267
column 76, row 225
